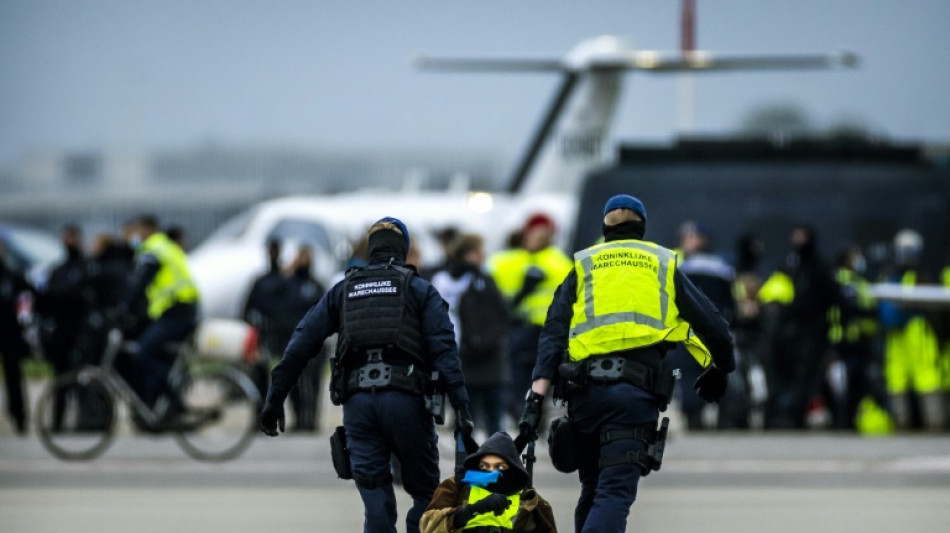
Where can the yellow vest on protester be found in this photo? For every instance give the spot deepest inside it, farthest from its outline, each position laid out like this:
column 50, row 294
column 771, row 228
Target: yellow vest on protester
column 505, row 520
column 172, row 284
column 508, row 269
column 626, row 299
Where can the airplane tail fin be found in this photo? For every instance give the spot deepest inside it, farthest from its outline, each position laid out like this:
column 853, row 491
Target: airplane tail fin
column 570, row 140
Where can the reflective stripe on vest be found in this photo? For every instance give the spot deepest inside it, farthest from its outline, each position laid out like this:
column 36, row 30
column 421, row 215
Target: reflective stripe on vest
column 172, row 283
column 505, row 520
column 614, row 279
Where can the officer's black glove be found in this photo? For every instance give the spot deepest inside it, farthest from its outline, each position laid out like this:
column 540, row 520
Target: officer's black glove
column 711, row 384
column 530, row 419
column 272, row 419
column 465, row 426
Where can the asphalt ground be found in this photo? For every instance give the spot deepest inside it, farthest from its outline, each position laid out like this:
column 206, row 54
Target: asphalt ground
column 807, row 482
column 710, row 483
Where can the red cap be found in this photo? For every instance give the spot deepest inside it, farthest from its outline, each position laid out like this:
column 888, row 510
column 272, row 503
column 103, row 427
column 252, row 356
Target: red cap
column 538, row 219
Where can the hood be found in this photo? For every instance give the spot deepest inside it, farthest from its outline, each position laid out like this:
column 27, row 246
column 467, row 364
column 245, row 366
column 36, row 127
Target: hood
column 516, row 477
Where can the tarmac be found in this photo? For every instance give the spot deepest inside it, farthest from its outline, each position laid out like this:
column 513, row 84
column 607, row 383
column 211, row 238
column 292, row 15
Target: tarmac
column 740, row 482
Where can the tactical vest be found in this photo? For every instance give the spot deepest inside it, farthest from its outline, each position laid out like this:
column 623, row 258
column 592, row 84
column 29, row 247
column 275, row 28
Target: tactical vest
column 172, row 283
column 377, row 315
column 626, row 299
column 505, row 520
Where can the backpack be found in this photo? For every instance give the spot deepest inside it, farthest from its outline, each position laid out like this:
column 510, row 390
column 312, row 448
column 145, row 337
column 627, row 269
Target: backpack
column 483, row 317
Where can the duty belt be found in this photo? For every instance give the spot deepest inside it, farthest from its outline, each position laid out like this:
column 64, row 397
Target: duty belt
column 383, row 376
column 612, row 369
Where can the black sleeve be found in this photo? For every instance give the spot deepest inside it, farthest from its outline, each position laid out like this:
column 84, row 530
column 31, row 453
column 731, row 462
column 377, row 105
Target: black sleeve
column 557, row 326
column 439, row 335
column 705, row 319
column 145, row 271
column 321, row 321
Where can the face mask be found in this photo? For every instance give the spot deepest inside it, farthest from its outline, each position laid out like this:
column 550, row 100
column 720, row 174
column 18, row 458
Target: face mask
column 135, row 241
column 481, row 478
column 860, row 264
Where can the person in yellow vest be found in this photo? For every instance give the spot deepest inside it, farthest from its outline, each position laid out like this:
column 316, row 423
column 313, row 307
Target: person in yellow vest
column 795, row 303
column 162, row 278
column 945, row 339
column 852, row 332
column 528, row 276
column 492, row 495
column 615, row 316
column 911, row 362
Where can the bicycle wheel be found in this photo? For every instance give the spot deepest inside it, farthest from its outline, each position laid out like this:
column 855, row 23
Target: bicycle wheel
column 220, row 417
column 76, row 415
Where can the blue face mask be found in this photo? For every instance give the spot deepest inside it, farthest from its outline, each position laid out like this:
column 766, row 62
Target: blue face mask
column 481, row 478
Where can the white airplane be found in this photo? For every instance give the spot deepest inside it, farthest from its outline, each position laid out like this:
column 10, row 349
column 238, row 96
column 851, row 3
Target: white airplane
column 568, row 144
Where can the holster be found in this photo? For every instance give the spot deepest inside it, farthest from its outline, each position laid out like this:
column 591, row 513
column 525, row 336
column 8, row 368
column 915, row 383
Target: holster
column 337, row 381
column 564, row 445
column 665, row 382
column 340, row 454
column 648, row 459
column 435, row 398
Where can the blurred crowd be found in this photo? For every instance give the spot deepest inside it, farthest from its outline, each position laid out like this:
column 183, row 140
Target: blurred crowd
column 66, row 316
column 815, row 349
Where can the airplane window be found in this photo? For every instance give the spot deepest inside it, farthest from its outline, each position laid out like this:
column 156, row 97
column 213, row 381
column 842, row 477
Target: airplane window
column 301, row 231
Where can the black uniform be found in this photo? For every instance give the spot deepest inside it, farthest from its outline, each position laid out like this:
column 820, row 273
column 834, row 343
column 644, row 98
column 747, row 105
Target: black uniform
column 302, row 291
column 386, row 316
column 12, row 346
column 62, row 308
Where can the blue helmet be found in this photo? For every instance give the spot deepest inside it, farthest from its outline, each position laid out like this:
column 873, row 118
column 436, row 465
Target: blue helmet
column 402, row 227
column 625, row 201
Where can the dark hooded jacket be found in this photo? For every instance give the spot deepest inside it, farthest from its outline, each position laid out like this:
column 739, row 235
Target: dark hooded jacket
column 535, row 513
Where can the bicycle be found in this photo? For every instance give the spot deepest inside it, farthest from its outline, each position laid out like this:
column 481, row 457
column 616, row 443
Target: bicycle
column 219, row 403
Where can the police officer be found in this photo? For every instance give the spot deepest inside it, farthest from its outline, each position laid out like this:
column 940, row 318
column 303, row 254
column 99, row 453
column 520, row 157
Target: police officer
column 615, row 314
column 161, row 275
column 62, row 306
column 395, row 332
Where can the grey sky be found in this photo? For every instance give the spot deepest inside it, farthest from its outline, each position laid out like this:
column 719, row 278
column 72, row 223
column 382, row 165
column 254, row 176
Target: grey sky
column 93, row 74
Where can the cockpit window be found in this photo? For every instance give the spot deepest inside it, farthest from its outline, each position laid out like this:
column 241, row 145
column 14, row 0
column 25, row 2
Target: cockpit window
column 301, row 232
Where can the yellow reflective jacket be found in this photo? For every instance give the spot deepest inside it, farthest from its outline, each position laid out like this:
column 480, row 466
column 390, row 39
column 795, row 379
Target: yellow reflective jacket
column 504, row 520
column 626, row 299
column 172, row 284
column 508, row 269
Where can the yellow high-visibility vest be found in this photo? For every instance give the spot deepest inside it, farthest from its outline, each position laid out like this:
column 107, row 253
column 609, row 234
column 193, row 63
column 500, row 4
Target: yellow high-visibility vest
column 505, row 520
column 626, row 299
column 857, row 328
column 779, row 288
column 172, row 284
column 508, row 268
